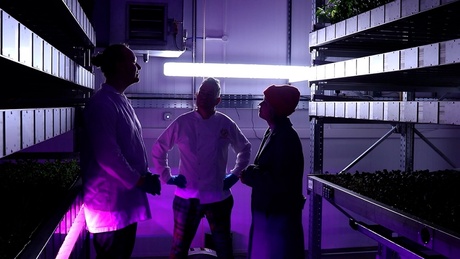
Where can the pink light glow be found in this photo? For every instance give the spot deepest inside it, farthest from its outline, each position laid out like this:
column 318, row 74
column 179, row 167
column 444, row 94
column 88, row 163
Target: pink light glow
column 72, row 236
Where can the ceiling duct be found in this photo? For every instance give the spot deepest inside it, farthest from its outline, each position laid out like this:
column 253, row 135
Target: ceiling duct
column 151, row 28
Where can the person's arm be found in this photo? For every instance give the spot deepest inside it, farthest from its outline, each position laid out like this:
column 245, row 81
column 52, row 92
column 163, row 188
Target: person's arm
column 242, row 147
column 287, row 170
column 160, row 149
column 100, row 121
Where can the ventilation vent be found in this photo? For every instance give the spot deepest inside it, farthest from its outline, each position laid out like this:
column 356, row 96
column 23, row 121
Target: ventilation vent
column 147, row 23
column 152, row 28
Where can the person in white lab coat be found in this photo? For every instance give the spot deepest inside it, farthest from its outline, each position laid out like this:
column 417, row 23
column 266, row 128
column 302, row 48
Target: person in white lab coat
column 115, row 173
column 203, row 137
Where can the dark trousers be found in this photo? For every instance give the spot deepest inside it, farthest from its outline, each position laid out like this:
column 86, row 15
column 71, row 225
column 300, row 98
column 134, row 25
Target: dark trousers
column 187, row 216
column 118, row 244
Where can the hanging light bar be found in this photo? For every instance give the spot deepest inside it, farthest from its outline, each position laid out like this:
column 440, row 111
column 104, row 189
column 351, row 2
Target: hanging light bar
column 291, row 73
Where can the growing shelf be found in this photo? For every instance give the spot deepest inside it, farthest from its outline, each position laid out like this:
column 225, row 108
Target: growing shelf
column 48, row 54
column 407, row 47
column 45, row 47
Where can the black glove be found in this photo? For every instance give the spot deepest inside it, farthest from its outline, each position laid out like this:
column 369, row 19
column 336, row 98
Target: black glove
column 151, row 184
column 230, row 180
column 178, row 180
column 248, row 175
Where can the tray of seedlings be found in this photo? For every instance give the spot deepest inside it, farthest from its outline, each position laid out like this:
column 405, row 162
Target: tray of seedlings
column 420, row 207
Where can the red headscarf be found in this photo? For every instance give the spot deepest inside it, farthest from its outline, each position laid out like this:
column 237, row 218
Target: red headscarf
column 283, row 98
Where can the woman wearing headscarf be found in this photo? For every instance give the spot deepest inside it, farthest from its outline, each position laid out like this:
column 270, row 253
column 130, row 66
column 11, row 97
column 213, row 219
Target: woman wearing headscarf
column 276, row 179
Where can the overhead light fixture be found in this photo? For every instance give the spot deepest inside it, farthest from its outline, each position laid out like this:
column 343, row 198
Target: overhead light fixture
column 157, row 53
column 291, row 73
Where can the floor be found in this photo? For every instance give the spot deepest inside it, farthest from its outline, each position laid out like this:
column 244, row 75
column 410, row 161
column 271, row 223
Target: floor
column 349, row 255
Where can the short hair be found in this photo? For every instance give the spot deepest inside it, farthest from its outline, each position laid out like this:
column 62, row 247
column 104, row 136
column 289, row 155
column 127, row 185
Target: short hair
column 214, row 82
column 107, row 59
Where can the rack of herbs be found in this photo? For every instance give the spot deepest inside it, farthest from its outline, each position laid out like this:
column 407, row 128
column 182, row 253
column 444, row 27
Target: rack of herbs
column 31, row 191
column 333, row 11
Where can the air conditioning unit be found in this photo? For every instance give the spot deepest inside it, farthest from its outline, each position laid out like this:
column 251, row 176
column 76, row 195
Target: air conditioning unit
column 151, row 28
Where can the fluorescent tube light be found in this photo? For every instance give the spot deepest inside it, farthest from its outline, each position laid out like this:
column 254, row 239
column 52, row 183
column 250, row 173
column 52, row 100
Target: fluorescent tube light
column 291, row 73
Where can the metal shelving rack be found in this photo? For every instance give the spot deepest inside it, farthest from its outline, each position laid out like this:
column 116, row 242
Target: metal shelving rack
column 410, row 47
column 46, row 56
column 45, row 50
